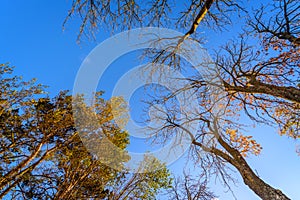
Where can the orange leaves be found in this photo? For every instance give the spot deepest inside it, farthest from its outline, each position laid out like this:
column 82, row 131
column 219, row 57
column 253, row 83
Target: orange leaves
column 281, row 111
column 119, row 110
column 245, row 144
column 287, row 117
column 231, row 133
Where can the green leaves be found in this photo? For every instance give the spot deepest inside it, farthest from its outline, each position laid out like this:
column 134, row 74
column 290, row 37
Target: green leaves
column 43, row 157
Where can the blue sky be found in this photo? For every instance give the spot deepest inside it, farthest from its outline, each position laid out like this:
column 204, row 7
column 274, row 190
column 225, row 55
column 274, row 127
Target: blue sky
column 32, row 39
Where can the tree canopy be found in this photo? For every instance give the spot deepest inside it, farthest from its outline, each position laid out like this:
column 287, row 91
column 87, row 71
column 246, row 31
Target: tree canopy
column 43, row 157
column 258, row 69
column 254, row 53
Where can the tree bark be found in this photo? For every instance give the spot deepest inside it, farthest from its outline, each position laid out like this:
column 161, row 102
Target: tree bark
column 288, row 93
column 255, row 183
column 234, row 157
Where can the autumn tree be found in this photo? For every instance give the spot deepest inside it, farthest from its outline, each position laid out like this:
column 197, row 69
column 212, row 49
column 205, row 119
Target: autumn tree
column 42, row 155
column 258, row 71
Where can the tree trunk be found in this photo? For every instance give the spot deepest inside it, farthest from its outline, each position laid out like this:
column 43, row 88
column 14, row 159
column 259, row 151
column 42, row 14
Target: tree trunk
column 257, row 185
